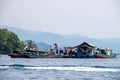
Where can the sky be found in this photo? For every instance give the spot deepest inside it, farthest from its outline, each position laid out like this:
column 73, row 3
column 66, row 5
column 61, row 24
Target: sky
column 98, row 19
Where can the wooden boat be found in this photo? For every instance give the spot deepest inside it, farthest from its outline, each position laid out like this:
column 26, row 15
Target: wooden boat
column 101, row 55
column 104, row 53
column 84, row 50
column 34, row 54
column 87, row 50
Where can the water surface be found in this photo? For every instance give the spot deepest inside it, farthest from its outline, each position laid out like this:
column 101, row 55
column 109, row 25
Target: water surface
column 59, row 69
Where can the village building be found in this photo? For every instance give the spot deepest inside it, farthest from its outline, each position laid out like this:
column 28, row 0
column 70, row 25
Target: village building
column 84, row 50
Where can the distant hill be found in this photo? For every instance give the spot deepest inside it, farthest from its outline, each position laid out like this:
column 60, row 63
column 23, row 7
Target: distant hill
column 43, row 46
column 44, row 39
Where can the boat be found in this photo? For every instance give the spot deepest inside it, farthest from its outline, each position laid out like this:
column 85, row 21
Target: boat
column 104, row 53
column 34, row 54
column 88, row 50
column 84, row 50
column 105, row 56
column 15, row 54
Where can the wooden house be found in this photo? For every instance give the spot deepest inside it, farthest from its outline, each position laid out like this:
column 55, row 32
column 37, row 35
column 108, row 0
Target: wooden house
column 85, row 50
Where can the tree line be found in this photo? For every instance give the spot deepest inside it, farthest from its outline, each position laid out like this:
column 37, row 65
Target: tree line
column 9, row 41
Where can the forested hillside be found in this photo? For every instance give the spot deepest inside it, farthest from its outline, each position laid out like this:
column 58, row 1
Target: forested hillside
column 9, row 41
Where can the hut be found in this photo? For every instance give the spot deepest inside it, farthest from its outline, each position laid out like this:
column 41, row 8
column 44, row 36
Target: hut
column 85, row 50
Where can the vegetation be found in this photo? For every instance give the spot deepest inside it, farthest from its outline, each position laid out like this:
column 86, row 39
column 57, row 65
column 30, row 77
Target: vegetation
column 31, row 44
column 9, row 41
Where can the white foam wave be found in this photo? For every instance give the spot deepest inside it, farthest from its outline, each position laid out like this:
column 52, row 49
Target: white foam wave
column 4, row 67
column 76, row 69
column 79, row 68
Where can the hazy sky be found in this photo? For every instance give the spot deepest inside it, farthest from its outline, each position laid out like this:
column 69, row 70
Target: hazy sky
column 92, row 18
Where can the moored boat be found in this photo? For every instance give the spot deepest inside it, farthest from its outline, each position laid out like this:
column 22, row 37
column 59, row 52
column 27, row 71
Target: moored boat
column 105, row 54
column 34, row 54
column 87, row 50
column 84, row 50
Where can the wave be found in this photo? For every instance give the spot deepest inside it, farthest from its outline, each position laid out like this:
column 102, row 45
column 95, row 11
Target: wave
column 105, row 67
column 64, row 68
column 76, row 69
column 14, row 66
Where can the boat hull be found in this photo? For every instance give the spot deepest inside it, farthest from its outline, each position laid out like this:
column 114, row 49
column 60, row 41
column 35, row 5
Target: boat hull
column 105, row 56
column 16, row 55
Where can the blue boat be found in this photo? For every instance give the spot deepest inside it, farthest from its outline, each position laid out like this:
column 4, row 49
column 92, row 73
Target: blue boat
column 84, row 50
column 34, row 54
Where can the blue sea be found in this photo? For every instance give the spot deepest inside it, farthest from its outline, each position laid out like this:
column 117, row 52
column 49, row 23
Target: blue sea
column 59, row 68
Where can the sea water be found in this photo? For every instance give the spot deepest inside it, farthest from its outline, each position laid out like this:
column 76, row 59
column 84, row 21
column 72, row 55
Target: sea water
column 59, row 68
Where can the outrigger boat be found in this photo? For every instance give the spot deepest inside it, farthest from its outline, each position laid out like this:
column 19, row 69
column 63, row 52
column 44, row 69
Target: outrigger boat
column 87, row 50
column 101, row 55
column 33, row 54
column 104, row 53
column 84, row 50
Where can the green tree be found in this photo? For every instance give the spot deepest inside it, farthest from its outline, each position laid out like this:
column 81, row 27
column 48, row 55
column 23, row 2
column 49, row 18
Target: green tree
column 9, row 41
